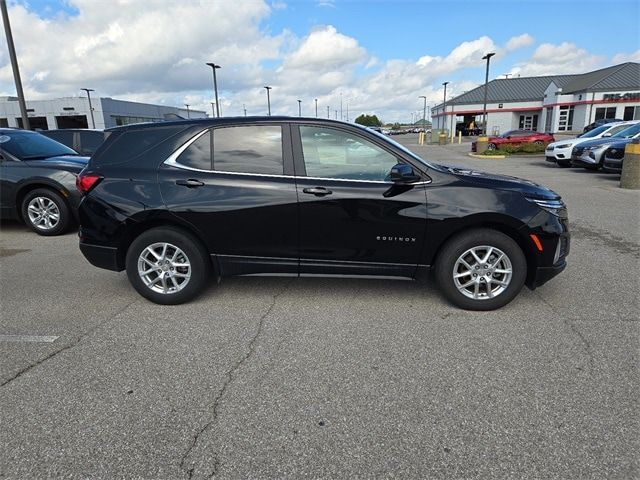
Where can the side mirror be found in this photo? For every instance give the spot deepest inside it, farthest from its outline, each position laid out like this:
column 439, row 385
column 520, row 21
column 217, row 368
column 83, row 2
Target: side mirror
column 403, row 173
column 606, row 135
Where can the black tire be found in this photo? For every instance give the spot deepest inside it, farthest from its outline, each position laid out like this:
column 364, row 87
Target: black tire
column 45, row 212
column 491, row 146
column 538, row 143
column 196, row 257
column 457, row 246
column 563, row 164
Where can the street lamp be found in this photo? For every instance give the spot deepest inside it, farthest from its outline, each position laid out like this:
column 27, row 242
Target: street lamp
column 89, row 90
column 424, row 114
column 213, row 113
column 316, row 108
column 444, row 106
column 245, row 109
column 487, row 57
column 215, row 86
column 299, row 108
column 14, row 65
column 267, row 88
column 187, row 105
column 327, row 111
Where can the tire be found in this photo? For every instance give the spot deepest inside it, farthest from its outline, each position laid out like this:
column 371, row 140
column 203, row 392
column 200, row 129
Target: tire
column 562, row 164
column 177, row 272
column 458, row 249
column 539, row 143
column 45, row 212
column 491, row 146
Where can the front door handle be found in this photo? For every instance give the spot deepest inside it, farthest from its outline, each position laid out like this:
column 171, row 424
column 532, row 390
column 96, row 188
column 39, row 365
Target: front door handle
column 317, row 191
column 190, row 183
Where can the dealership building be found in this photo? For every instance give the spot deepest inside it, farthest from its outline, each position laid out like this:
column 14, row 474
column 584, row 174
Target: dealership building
column 555, row 104
column 74, row 112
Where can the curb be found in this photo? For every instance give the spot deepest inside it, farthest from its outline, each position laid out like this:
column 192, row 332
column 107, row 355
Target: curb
column 487, row 157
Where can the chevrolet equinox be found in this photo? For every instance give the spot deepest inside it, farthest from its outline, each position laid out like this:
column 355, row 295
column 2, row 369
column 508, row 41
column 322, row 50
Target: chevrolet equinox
column 171, row 203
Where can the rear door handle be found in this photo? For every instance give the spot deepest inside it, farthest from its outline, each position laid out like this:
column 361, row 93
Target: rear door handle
column 317, row 191
column 190, row 183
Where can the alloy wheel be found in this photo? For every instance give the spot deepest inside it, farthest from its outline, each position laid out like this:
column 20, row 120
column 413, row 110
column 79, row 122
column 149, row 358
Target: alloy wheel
column 164, row 268
column 482, row 272
column 43, row 213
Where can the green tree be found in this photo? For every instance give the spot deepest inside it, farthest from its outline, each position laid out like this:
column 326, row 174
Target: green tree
column 368, row 120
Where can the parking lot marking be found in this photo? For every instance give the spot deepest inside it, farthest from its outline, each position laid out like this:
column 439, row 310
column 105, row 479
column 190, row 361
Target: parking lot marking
column 29, row 338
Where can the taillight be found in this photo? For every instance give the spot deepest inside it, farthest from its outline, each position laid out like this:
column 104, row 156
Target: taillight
column 85, row 182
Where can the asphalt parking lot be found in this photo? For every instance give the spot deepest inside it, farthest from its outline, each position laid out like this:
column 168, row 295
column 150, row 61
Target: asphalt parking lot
column 328, row 378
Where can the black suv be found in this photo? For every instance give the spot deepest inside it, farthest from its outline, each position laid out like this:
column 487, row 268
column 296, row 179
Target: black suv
column 172, row 202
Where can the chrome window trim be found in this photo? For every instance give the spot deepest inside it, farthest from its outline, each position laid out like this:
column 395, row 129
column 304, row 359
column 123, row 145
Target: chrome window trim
column 172, row 162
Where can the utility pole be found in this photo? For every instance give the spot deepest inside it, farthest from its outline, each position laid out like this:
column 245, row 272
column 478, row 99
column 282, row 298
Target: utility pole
column 188, row 114
column 487, row 57
column 89, row 90
column 444, row 106
column 267, row 88
column 299, row 108
column 14, row 65
column 316, row 108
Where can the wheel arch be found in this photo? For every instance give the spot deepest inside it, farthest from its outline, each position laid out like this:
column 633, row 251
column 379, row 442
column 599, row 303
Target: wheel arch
column 27, row 187
column 165, row 221
column 507, row 226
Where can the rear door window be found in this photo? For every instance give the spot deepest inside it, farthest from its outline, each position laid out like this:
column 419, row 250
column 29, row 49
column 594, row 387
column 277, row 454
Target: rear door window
column 198, row 154
column 248, row 149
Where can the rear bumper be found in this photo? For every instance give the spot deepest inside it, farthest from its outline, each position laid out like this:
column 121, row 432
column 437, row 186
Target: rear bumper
column 103, row 257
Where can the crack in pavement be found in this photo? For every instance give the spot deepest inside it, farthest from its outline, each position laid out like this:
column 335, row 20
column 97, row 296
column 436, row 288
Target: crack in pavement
column 67, row 347
column 230, row 376
column 586, row 345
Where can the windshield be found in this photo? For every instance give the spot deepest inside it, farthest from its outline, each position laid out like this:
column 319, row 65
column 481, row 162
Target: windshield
column 596, row 131
column 628, row 132
column 27, row 145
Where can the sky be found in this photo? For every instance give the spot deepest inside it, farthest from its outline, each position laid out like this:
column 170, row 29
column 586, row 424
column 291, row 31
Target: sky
column 370, row 56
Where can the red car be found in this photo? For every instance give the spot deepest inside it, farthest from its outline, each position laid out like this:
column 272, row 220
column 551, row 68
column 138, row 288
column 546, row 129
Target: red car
column 517, row 137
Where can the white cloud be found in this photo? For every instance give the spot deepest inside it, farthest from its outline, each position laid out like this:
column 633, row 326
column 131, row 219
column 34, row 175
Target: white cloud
column 550, row 59
column 627, row 57
column 520, row 41
column 325, row 48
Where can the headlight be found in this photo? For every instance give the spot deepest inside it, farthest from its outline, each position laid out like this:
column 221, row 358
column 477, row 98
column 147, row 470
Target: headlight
column 564, row 145
column 554, row 207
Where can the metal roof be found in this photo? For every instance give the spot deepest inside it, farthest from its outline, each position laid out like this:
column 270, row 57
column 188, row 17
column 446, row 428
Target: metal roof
column 522, row 89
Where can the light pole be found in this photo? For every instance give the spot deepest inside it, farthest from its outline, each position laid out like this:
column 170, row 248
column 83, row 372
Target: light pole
column 215, row 86
column 341, row 117
column 187, row 105
column 487, row 57
column 316, row 108
column 444, row 106
column 424, row 114
column 14, row 65
column 89, row 90
column 299, row 108
column 267, row 88
column 213, row 112
column 328, row 111
column 245, row 109
column 336, row 110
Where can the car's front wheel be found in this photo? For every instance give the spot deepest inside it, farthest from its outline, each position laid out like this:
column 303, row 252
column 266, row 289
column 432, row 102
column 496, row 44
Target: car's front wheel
column 492, row 146
column 481, row 269
column 167, row 266
column 46, row 212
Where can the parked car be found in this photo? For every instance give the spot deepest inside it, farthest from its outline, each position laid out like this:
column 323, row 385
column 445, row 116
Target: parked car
column 516, row 137
column 600, row 122
column 614, row 156
column 170, row 203
column 560, row 151
column 38, row 178
column 83, row 141
column 590, row 154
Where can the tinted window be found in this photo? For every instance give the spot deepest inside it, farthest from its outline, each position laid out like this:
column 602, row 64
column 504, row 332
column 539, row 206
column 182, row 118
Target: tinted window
column 66, row 138
column 618, row 129
column 629, row 132
column 330, row 153
column 90, row 141
column 132, row 143
column 31, row 146
column 198, row 154
column 596, row 131
column 252, row 149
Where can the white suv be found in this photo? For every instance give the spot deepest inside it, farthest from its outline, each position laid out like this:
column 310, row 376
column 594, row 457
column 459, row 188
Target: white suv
column 560, row 151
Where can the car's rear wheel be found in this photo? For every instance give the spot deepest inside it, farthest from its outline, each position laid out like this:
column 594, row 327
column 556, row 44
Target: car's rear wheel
column 481, row 269
column 167, row 266
column 491, row 146
column 46, row 212
column 539, row 143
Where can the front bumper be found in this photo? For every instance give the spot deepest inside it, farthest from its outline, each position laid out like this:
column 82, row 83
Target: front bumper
column 613, row 165
column 585, row 160
column 556, row 154
column 544, row 274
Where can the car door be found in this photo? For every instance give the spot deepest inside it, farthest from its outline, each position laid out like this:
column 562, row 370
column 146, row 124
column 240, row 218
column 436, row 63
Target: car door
column 235, row 184
column 353, row 219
